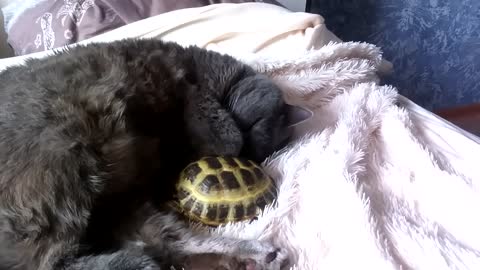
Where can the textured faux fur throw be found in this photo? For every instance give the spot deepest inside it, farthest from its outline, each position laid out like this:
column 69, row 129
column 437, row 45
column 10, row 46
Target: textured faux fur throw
column 362, row 187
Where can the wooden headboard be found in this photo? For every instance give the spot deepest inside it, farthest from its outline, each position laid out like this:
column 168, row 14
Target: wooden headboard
column 466, row 117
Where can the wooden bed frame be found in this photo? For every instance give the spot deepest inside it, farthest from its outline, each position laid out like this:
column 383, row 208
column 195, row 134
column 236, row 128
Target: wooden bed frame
column 466, row 117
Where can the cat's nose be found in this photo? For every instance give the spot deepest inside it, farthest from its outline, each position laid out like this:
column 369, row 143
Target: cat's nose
column 271, row 256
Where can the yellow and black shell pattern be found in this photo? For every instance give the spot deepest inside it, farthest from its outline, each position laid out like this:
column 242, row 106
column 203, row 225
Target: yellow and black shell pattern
column 218, row 190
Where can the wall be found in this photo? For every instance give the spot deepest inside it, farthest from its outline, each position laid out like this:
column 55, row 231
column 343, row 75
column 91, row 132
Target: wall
column 295, row 5
column 5, row 50
column 433, row 44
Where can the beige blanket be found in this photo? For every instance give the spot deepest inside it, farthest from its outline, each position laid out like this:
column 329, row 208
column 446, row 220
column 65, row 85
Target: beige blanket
column 369, row 182
column 248, row 27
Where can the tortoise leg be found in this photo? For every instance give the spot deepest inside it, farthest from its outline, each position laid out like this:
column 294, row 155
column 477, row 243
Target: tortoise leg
column 171, row 240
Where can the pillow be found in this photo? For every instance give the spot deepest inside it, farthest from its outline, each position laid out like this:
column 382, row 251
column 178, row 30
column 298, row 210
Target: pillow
column 39, row 25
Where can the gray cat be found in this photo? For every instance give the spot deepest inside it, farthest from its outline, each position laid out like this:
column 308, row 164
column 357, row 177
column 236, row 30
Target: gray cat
column 93, row 138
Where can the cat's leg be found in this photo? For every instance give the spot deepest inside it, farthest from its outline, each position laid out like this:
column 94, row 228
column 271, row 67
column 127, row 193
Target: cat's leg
column 170, row 239
column 119, row 260
column 62, row 253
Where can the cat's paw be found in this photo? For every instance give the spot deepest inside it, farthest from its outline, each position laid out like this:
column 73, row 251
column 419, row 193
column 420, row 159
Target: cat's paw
column 130, row 261
column 120, row 260
column 263, row 116
column 256, row 255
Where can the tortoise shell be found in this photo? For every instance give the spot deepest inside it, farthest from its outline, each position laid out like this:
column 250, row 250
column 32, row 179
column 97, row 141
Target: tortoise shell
column 218, row 190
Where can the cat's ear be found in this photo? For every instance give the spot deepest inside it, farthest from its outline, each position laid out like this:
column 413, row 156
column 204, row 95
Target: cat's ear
column 297, row 115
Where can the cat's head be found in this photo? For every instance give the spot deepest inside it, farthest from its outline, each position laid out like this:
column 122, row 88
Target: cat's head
column 263, row 116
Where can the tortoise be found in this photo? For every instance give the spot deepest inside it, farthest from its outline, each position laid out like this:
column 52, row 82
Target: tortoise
column 219, row 190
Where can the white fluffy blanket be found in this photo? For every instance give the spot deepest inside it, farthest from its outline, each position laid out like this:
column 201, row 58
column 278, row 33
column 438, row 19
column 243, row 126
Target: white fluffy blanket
column 362, row 187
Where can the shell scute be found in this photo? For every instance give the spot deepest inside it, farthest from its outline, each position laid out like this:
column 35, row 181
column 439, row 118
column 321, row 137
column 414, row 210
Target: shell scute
column 217, row 190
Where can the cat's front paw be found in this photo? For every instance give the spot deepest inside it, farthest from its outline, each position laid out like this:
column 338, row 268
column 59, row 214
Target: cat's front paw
column 256, row 255
column 261, row 113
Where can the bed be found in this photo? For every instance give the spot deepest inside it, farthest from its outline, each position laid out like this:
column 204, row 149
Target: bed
column 372, row 181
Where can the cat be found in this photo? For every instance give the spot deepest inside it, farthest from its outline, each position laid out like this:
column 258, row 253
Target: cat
column 93, row 137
